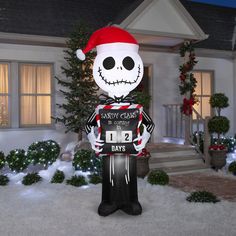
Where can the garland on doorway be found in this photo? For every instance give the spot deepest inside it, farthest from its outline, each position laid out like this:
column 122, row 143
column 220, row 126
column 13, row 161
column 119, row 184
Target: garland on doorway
column 187, row 80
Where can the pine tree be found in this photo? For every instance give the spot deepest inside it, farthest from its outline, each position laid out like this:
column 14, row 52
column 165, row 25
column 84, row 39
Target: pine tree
column 79, row 88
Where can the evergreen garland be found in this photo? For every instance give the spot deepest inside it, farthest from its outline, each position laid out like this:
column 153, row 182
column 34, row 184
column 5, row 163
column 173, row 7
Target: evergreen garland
column 17, row 160
column 2, row 160
column 78, row 88
column 187, row 81
column 43, row 152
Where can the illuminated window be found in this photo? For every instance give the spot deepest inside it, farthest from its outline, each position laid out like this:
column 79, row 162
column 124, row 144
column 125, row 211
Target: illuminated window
column 203, row 92
column 35, row 94
column 4, row 96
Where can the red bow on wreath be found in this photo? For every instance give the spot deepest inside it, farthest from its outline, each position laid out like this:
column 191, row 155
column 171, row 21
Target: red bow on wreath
column 187, row 107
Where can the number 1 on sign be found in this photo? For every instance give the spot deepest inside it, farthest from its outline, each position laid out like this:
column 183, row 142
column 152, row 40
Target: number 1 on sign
column 111, row 137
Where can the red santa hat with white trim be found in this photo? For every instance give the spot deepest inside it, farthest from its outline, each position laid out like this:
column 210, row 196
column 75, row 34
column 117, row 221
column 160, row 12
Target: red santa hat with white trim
column 108, row 39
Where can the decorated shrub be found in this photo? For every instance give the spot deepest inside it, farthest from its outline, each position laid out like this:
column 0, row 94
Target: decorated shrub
column 218, row 124
column 4, row 180
column 31, row 178
column 2, row 160
column 86, row 160
column 43, row 152
column 17, row 160
column 158, row 177
column 95, row 179
column 77, row 181
column 232, row 167
column 58, row 177
column 202, row 196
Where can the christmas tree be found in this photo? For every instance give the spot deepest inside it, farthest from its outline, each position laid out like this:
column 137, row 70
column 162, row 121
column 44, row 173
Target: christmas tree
column 79, row 88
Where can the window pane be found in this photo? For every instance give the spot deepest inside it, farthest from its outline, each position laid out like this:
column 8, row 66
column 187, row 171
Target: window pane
column 4, row 115
column 35, row 80
column 3, row 78
column 197, row 107
column 44, row 79
column 28, row 79
column 206, row 83
column 206, row 109
column 43, row 110
column 197, row 76
column 28, row 110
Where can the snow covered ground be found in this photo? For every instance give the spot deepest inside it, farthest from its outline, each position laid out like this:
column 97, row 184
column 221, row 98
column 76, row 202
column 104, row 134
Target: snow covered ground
column 58, row 209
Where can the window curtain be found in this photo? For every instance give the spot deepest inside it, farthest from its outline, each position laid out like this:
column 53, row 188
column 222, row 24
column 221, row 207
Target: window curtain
column 35, row 95
column 203, row 91
column 4, row 90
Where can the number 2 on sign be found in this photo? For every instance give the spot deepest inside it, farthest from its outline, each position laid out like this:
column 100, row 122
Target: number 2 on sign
column 117, row 137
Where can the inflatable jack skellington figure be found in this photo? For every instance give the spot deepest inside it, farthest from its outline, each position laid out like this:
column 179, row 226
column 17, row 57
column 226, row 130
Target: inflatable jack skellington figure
column 118, row 69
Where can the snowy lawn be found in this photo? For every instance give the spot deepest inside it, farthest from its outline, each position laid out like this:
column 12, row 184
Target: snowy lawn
column 58, row 209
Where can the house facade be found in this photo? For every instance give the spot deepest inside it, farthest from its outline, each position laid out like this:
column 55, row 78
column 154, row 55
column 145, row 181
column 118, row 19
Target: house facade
column 32, row 41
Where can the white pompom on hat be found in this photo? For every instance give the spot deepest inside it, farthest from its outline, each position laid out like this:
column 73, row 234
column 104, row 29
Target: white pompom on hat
column 108, row 35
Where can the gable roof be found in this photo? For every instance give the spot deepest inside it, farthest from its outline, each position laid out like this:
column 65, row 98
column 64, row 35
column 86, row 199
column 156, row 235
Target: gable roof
column 57, row 18
column 153, row 25
column 216, row 21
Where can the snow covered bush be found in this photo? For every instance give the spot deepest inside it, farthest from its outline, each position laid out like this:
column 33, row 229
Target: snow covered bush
column 95, row 179
column 2, row 160
column 58, row 177
column 86, row 160
column 232, row 167
column 77, row 181
column 31, row 178
column 202, row 196
column 43, row 152
column 158, row 177
column 17, row 160
column 4, row 180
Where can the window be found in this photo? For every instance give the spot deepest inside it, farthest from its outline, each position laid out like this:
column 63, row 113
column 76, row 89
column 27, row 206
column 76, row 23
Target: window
column 25, row 95
column 35, row 95
column 203, row 92
column 4, row 96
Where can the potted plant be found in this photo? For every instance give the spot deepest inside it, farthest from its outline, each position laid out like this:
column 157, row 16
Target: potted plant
column 232, row 167
column 218, row 125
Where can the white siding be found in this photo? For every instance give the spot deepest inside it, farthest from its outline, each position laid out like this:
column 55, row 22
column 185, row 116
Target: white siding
column 165, row 85
column 22, row 138
column 164, row 90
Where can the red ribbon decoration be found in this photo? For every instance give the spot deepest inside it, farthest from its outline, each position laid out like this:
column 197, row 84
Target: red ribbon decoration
column 187, row 107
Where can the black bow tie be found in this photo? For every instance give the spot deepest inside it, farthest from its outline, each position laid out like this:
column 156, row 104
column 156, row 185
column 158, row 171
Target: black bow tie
column 104, row 99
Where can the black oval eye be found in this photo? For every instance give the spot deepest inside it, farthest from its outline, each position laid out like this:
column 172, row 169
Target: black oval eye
column 128, row 63
column 108, row 63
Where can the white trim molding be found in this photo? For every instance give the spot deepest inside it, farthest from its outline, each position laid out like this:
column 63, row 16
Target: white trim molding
column 27, row 39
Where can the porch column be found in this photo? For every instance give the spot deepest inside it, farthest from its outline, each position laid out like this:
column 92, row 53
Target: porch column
column 187, row 130
column 234, row 93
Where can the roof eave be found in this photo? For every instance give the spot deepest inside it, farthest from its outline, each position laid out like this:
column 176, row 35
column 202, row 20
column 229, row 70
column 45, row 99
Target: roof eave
column 27, row 39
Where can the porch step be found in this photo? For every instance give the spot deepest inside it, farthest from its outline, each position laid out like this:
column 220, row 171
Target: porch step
column 175, row 159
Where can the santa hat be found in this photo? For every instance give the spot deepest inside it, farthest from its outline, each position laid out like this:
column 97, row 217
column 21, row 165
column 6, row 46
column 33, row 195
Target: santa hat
column 107, row 39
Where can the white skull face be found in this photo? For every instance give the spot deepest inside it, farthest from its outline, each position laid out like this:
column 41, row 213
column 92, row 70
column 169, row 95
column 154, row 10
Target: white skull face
column 118, row 72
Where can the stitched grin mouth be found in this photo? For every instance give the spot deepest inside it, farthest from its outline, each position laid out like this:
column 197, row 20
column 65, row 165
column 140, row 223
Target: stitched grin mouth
column 117, row 82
